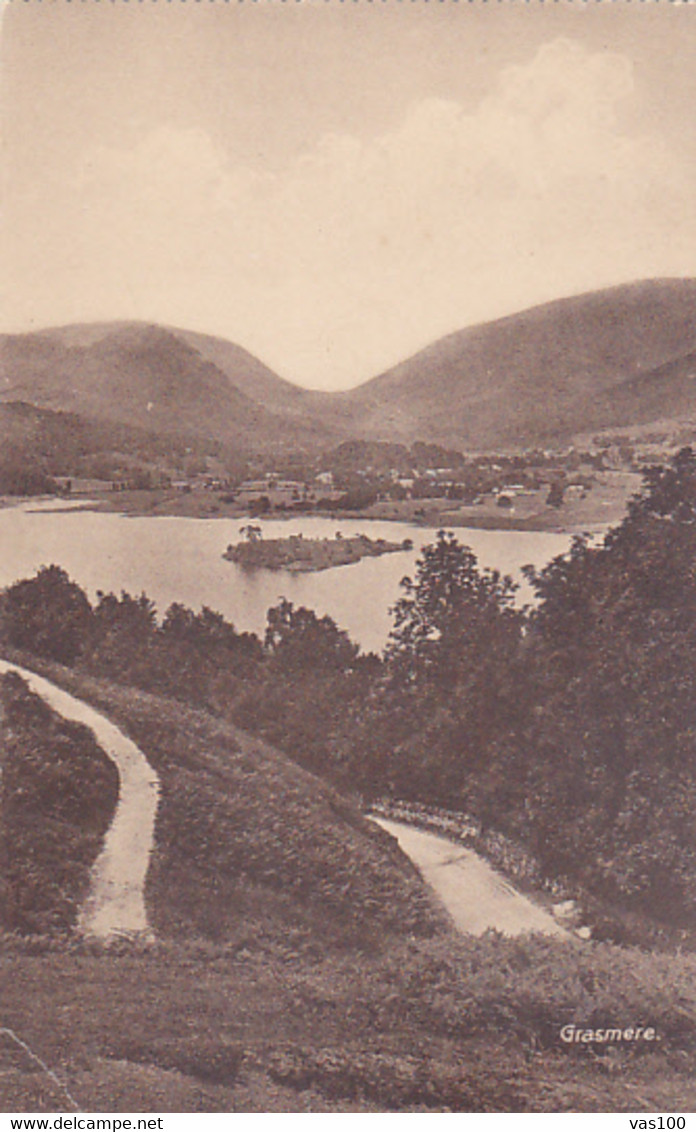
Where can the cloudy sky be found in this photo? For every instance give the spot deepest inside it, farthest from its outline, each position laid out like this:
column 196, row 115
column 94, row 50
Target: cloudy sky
column 335, row 185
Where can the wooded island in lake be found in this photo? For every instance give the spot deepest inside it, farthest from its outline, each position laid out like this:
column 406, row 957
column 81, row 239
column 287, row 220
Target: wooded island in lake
column 304, row 554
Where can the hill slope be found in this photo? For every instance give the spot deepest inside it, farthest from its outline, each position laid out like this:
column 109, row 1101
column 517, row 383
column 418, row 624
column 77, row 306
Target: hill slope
column 58, row 441
column 242, row 836
column 244, row 371
column 617, row 357
column 133, row 373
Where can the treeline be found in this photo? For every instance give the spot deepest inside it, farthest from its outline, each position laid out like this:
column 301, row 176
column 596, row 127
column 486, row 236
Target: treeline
column 38, row 445
column 571, row 726
column 16, row 478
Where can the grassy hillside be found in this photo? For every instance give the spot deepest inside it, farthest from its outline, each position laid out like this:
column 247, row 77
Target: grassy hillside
column 616, row 357
column 244, row 371
column 243, row 833
column 129, row 372
column 59, row 791
column 56, row 443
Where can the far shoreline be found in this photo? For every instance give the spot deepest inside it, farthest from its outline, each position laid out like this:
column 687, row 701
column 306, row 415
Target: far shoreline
column 199, row 505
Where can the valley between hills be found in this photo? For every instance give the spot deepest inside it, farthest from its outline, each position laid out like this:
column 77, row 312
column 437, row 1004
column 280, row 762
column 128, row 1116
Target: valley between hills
column 619, row 358
column 542, row 420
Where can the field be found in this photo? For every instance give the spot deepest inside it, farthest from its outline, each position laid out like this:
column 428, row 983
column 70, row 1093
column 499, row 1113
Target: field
column 605, row 503
column 284, row 1023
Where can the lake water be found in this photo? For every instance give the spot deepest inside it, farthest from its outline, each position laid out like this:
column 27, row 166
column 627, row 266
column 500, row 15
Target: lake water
column 179, row 559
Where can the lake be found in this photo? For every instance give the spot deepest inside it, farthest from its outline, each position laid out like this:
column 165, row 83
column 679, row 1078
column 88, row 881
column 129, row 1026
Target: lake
column 180, row 559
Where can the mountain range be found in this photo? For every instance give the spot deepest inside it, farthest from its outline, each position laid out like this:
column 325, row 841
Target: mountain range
column 624, row 356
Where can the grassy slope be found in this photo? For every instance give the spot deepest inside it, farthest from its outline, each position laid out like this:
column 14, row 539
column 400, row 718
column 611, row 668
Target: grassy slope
column 118, row 372
column 59, row 791
column 242, row 832
column 613, row 357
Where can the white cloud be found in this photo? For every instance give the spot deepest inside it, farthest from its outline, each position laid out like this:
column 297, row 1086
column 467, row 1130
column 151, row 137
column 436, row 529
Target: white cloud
column 361, row 251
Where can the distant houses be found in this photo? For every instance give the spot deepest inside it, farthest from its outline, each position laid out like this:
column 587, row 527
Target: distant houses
column 276, row 492
column 80, row 485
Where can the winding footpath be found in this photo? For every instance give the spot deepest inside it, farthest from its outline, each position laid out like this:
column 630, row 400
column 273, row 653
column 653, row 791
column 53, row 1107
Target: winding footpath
column 475, row 895
column 115, row 904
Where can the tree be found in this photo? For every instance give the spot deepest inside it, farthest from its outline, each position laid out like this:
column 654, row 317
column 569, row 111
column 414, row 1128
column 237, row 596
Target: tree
column 446, row 714
column 556, row 494
column 668, row 492
column 452, row 614
column 48, row 615
column 251, row 532
column 125, row 630
column 296, row 639
column 134, row 616
column 206, row 637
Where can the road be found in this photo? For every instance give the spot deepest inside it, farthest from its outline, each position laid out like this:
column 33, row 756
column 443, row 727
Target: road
column 115, row 904
column 475, row 895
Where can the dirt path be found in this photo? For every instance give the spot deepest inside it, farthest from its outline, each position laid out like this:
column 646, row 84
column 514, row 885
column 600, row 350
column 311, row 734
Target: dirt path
column 115, row 904
column 475, row 895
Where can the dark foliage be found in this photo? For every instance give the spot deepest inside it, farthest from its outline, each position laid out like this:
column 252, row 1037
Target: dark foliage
column 59, row 791
column 612, row 645
column 48, row 615
column 16, row 478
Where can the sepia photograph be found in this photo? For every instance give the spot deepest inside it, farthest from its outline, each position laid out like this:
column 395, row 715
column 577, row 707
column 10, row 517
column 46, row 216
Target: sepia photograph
column 347, row 559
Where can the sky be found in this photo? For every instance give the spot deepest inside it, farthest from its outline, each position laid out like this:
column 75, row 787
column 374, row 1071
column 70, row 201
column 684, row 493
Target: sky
column 333, row 186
